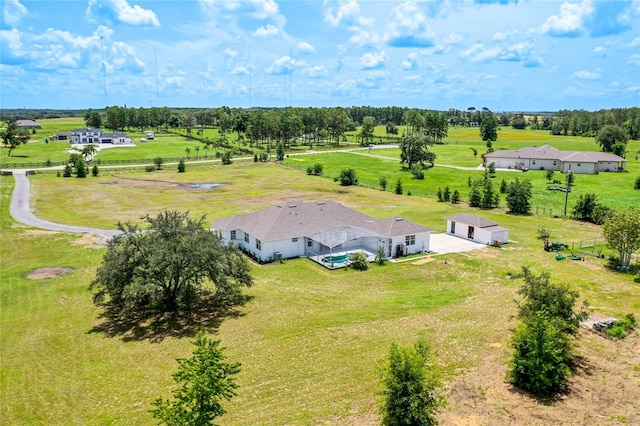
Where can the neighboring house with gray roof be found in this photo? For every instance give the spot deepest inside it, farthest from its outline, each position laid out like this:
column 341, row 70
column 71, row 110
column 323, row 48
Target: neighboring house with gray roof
column 90, row 135
column 549, row 158
column 476, row 228
column 320, row 229
column 28, row 124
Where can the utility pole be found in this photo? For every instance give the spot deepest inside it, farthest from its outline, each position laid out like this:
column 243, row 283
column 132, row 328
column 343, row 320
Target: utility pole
column 567, row 189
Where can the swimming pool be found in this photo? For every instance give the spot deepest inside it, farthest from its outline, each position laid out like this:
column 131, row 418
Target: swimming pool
column 339, row 259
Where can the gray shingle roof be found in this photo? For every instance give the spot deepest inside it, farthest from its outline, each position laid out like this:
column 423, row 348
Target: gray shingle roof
column 298, row 219
column 472, row 219
column 547, row 152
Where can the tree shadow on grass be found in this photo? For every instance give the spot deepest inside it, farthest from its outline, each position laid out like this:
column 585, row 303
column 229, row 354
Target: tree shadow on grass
column 207, row 314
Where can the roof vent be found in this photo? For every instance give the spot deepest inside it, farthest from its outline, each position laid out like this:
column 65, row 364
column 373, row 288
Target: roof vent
column 398, row 219
column 321, row 203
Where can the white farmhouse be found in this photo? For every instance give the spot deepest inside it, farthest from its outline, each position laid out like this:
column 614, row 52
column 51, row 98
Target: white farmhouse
column 325, row 231
column 549, row 158
column 89, row 135
column 477, row 228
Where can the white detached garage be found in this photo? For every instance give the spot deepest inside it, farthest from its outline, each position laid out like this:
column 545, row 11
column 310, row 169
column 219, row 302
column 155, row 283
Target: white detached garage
column 476, row 228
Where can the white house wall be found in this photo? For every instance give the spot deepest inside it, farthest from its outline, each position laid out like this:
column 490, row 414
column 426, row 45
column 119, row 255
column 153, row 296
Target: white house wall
column 536, row 164
column 607, row 166
column 586, row 168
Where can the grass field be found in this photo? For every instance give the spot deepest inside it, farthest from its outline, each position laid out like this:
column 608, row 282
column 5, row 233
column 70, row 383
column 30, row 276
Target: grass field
column 310, row 340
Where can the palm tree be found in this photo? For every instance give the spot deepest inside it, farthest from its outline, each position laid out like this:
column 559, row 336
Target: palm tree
column 206, row 148
column 197, row 148
column 88, row 151
column 187, row 151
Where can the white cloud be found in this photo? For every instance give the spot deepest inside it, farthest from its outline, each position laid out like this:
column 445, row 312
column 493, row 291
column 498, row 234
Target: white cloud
column 499, row 36
column 569, row 22
column 281, row 66
column 409, row 27
column 260, row 9
column 634, row 59
column 363, row 37
column 13, row 12
column 240, row 70
column 125, row 59
column 453, row 39
column 230, row 53
column 586, row 75
column 304, row 47
column 269, row 30
column 600, row 51
column 370, row 61
column 316, row 71
column 123, row 12
column 634, row 43
column 411, row 63
column 347, row 10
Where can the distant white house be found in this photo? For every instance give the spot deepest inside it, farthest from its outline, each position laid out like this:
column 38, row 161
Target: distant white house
column 323, row 231
column 150, row 135
column 549, row 158
column 90, row 135
column 477, row 228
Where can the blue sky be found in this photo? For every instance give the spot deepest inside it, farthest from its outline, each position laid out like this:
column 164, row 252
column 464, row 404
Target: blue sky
column 502, row 54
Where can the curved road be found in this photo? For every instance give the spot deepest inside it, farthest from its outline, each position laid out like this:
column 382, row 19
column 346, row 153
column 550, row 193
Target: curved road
column 21, row 211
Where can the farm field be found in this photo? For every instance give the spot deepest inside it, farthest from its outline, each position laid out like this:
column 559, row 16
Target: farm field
column 310, row 340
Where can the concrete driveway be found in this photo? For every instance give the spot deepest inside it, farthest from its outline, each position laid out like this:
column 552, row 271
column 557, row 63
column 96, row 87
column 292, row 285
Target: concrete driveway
column 445, row 243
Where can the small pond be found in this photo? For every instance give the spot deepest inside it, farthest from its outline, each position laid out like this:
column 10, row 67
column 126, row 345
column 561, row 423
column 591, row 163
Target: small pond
column 202, row 185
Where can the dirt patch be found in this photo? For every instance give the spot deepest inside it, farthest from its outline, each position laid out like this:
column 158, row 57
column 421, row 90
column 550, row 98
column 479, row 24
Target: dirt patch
column 605, row 389
column 49, row 272
column 590, row 265
column 37, row 232
column 483, row 254
column 142, row 183
column 423, row 261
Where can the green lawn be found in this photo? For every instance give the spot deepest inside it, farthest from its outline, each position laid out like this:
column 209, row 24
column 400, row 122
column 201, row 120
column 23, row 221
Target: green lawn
column 310, row 339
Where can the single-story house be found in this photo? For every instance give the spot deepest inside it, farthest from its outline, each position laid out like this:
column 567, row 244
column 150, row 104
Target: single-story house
column 477, row 228
column 549, row 158
column 325, row 231
column 28, row 124
column 89, row 135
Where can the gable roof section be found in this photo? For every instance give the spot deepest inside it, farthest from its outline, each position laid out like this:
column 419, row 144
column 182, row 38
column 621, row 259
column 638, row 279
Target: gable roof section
column 27, row 123
column 297, row 219
column 472, row 219
column 547, row 152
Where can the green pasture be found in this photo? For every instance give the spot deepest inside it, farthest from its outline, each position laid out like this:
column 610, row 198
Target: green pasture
column 613, row 189
column 310, row 339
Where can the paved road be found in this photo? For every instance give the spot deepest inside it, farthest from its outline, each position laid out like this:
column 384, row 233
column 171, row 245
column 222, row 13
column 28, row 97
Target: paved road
column 21, row 211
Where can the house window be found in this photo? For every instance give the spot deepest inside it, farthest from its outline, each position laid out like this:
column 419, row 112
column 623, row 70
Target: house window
column 410, row 240
column 258, row 244
column 294, row 240
column 309, row 243
column 246, row 237
column 233, row 235
column 578, row 164
column 533, row 162
column 554, row 162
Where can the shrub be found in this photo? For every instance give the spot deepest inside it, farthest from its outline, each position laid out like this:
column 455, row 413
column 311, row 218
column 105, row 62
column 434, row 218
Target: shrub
column 446, row 194
column 455, row 197
column 544, row 233
column 67, row 171
column 622, row 327
column 543, row 354
column 417, row 172
column 95, row 171
column 318, row 169
column 226, row 158
column 150, row 168
column 398, row 189
column 181, row 166
column 440, row 195
column 637, row 184
column 158, row 161
column 348, row 177
column 255, row 159
column 359, row 261
column 380, row 256
column 383, row 183
column 412, row 390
